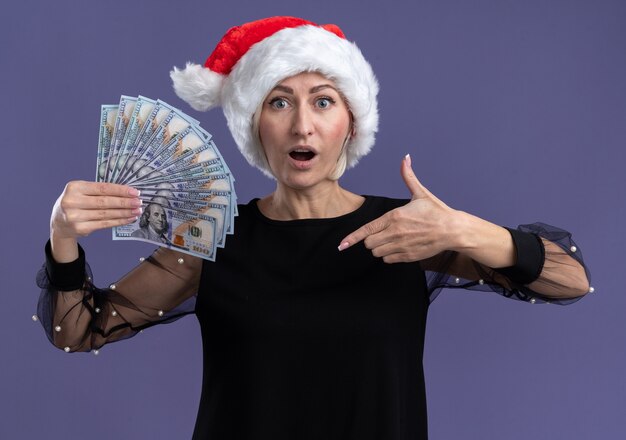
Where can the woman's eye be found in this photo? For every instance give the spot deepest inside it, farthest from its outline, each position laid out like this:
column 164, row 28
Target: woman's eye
column 278, row 103
column 324, row 102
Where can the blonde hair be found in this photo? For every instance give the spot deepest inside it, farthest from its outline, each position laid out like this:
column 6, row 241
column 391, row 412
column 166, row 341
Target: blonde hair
column 256, row 122
column 342, row 161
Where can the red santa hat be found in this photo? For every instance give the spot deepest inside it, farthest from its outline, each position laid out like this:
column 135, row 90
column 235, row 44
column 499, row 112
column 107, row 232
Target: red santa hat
column 251, row 59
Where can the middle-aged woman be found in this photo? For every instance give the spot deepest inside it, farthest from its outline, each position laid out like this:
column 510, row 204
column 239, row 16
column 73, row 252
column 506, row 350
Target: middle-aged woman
column 313, row 315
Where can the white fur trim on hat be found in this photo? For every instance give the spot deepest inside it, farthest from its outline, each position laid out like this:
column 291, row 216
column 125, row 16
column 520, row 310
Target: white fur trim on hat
column 199, row 87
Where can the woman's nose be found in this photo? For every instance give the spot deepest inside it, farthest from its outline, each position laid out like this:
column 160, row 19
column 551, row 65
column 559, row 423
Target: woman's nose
column 302, row 122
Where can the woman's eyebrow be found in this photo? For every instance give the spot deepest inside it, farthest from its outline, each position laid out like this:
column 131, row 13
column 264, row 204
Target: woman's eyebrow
column 322, row 87
column 315, row 89
column 284, row 89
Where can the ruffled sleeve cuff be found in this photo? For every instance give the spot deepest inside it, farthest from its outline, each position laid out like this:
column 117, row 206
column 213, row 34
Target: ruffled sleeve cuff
column 65, row 276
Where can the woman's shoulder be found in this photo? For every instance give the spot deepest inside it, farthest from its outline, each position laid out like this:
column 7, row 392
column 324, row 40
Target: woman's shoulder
column 246, row 208
column 383, row 204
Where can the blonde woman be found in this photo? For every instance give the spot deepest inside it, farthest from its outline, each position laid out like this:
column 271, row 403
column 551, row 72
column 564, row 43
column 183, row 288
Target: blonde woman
column 313, row 315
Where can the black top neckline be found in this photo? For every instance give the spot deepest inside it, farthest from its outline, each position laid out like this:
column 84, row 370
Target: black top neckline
column 310, row 221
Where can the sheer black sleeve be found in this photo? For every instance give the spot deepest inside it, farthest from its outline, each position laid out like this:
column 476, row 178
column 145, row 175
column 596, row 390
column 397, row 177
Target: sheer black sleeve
column 549, row 268
column 78, row 316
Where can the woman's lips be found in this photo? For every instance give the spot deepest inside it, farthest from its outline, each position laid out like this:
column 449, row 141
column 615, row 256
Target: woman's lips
column 302, row 158
column 302, row 155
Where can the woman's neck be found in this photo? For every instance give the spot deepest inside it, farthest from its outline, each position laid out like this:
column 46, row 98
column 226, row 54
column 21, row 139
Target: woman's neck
column 323, row 201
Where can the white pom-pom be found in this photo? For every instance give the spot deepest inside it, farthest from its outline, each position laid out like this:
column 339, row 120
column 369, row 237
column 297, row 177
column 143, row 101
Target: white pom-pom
column 198, row 86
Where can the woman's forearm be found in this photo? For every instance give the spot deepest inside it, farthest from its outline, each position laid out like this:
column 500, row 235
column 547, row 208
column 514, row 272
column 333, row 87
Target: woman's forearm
column 64, row 250
column 483, row 241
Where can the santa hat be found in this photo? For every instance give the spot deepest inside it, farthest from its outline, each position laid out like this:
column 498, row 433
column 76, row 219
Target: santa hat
column 251, row 59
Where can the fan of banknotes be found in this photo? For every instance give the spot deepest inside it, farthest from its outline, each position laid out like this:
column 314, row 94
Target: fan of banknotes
column 189, row 202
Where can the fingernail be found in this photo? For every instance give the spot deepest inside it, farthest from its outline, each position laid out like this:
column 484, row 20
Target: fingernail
column 133, row 192
column 407, row 158
column 136, row 211
column 343, row 246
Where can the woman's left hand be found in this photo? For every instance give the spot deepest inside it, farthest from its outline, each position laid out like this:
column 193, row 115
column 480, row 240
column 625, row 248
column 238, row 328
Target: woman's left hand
column 418, row 230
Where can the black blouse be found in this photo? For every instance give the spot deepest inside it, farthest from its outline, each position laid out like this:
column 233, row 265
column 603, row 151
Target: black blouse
column 300, row 340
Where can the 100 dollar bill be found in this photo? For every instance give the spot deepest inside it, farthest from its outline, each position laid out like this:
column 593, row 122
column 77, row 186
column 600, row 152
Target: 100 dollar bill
column 190, row 233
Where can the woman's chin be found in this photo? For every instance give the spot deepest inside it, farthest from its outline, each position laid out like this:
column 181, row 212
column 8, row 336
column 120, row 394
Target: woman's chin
column 305, row 180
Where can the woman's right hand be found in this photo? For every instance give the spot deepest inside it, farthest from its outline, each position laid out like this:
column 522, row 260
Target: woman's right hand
column 84, row 207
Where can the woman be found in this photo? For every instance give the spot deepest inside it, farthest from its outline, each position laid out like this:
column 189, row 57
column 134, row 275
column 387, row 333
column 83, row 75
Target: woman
column 300, row 339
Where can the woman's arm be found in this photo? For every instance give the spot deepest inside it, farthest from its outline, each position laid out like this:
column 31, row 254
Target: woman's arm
column 77, row 315
column 460, row 244
column 536, row 262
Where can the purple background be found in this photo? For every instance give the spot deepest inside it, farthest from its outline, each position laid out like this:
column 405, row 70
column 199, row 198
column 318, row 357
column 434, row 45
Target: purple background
column 513, row 110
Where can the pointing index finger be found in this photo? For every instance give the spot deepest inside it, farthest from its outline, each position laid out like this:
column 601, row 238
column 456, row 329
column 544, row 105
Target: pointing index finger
column 363, row 232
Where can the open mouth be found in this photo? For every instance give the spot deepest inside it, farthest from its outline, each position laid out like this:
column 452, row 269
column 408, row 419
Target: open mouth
column 302, row 155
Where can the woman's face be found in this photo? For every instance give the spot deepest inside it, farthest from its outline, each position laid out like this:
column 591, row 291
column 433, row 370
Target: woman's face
column 303, row 124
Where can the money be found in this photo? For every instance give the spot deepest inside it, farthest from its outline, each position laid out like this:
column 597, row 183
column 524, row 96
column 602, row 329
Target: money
column 159, row 115
column 143, row 109
column 200, row 198
column 108, row 115
column 124, row 112
column 180, row 230
column 189, row 201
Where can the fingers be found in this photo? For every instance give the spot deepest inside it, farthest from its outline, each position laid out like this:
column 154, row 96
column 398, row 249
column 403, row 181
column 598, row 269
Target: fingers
column 397, row 258
column 98, row 195
column 84, row 207
column 386, row 249
column 380, row 239
column 87, row 215
column 417, row 189
column 105, row 202
column 394, row 253
column 373, row 227
column 104, row 189
column 86, row 228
